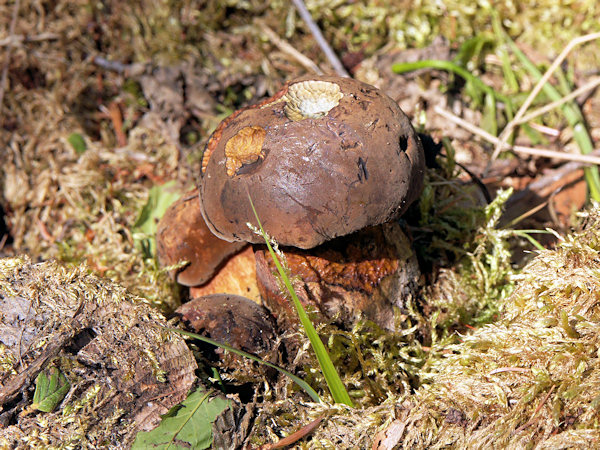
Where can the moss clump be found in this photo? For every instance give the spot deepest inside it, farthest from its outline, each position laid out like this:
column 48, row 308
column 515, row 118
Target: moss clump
column 533, row 377
column 124, row 368
column 367, row 26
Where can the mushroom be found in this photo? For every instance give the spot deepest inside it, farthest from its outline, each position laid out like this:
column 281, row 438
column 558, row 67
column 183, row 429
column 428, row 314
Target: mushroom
column 182, row 235
column 324, row 157
column 232, row 319
column 369, row 274
column 237, row 276
column 239, row 322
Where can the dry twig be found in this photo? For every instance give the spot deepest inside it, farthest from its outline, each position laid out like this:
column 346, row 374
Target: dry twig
column 285, row 47
column 550, row 106
column 316, row 32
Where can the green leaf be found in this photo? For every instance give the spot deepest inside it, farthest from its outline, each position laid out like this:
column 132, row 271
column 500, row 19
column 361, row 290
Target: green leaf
column 49, row 392
column 189, row 426
column 77, row 142
column 144, row 229
column 336, row 387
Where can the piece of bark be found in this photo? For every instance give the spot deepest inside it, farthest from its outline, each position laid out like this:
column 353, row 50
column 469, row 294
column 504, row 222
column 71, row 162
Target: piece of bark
column 368, row 273
column 114, row 350
column 237, row 277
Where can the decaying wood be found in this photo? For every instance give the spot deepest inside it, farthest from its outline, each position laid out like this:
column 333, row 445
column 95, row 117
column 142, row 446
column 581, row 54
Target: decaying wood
column 124, row 367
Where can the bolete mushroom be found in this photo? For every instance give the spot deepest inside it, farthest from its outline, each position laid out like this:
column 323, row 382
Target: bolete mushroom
column 232, row 319
column 324, row 157
column 369, row 274
column 182, row 235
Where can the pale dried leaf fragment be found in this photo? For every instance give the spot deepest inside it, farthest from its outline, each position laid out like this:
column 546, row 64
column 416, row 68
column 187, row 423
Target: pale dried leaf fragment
column 244, row 148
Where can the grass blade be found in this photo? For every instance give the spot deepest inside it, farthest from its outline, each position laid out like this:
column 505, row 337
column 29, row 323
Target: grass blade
column 299, row 381
column 336, row 387
column 454, row 68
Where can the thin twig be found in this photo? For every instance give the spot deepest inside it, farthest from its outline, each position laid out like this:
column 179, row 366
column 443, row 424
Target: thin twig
column 11, row 32
column 549, row 131
column 295, row 437
column 289, row 50
column 316, row 32
column 503, row 138
column 17, row 40
column 550, row 106
column 586, row 159
column 526, row 214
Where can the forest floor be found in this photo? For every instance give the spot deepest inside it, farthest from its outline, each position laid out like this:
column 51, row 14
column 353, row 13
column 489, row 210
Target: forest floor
column 101, row 102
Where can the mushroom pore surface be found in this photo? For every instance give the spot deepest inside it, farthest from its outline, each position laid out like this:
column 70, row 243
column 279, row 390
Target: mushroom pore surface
column 324, row 157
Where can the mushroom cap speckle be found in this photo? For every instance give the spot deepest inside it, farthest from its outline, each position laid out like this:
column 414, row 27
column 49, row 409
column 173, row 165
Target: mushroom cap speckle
column 324, row 157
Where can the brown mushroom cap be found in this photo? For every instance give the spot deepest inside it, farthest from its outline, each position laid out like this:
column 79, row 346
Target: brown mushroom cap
column 324, row 157
column 182, row 235
column 232, row 319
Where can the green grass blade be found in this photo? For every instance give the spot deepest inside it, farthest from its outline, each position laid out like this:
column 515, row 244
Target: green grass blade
column 299, row 381
column 510, row 78
column 526, row 235
column 336, row 387
column 449, row 67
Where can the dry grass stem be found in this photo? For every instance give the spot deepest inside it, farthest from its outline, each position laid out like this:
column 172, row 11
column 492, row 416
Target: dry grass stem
column 500, row 145
column 548, row 131
column 510, row 369
column 537, row 410
column 550, row 106
column 288, row 49
column 14, row 41
column 318, row 35
column 585, row 159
